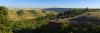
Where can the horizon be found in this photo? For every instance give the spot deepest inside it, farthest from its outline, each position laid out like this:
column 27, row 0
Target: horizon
column 50, row 3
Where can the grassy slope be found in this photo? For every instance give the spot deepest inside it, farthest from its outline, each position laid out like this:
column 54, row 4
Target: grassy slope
column 27, row 14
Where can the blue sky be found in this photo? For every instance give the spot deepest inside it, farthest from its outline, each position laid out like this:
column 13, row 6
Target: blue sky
column 51, row 3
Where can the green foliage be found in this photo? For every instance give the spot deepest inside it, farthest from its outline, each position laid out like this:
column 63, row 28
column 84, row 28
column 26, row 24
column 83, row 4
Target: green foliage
column 43, row 25
column 20, row 12
column 41, row 21
column 33, row 11
column 83, row 28
column 24, row 24
column 72, row 13
column 5, row 24
column 29, row 24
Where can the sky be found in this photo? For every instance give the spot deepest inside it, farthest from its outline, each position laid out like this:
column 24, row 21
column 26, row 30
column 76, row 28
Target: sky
column 51, row 3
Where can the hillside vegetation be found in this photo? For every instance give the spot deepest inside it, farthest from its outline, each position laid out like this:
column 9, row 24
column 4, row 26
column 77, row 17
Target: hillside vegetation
column 25, row 14
column 42, row 21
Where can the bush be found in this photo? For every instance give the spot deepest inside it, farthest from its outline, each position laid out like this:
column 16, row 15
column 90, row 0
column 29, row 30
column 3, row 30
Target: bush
column 20, row 12
column 5, row 24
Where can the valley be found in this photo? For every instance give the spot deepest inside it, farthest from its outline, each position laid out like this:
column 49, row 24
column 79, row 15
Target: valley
column 36, row 20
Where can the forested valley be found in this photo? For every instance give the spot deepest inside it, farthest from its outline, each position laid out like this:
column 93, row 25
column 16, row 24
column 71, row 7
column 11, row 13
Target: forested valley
column 75, row 20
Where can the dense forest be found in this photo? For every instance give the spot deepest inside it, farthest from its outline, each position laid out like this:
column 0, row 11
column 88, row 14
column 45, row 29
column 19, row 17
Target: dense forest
column 44, row 24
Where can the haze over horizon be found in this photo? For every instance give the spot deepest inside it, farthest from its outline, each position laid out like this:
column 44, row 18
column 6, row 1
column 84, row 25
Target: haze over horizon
column 50, row 3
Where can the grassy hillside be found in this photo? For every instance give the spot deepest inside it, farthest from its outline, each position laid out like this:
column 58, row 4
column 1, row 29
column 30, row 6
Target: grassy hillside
column 40, row 21
column 27, row 14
